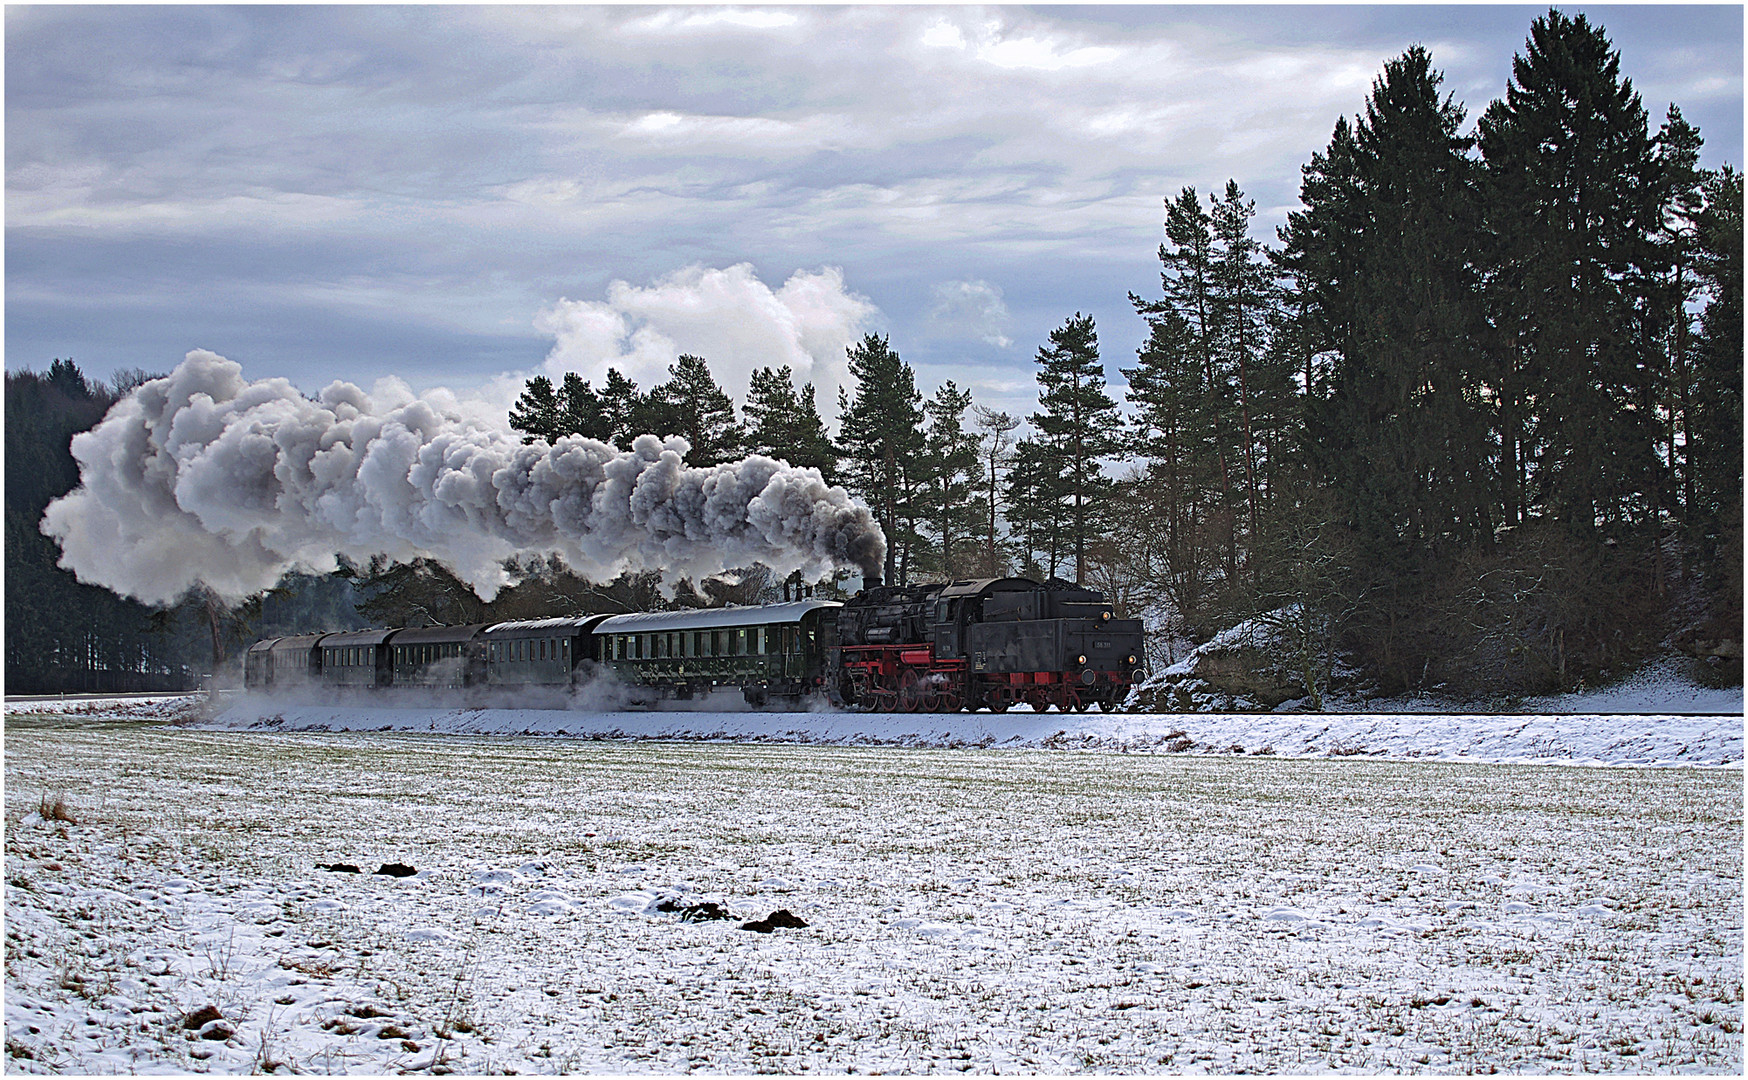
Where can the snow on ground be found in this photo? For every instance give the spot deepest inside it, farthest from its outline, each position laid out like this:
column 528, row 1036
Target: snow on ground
column 1589, row 738
column 1658, row 687
column 981, row 909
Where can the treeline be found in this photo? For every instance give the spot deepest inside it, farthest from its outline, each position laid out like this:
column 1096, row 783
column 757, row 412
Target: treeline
column 1474, row 421
column 1464, row 422
column 60, row 635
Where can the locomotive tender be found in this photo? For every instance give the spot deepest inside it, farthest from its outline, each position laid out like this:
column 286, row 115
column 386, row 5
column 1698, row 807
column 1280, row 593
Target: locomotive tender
column 991, row 643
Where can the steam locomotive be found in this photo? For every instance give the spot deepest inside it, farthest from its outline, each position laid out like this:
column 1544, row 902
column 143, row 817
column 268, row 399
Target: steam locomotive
column 992, row 643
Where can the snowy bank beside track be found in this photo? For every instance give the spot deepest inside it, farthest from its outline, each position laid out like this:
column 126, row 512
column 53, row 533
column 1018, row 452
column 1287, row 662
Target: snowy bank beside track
column 1600, row 739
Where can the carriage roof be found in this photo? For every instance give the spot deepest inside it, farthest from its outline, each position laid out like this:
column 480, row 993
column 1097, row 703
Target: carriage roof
column 713, row 618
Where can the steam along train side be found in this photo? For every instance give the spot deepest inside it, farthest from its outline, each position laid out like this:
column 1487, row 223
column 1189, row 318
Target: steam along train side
column 992, row 643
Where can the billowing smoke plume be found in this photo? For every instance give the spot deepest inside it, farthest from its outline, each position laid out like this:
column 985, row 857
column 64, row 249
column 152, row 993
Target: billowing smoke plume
column 204, row 477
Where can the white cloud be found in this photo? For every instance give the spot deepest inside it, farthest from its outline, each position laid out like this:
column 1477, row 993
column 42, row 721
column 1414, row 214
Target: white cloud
column 970, row 309
column 1043, row 55
column 943, row 35
column 728, row 316
column 717, row 18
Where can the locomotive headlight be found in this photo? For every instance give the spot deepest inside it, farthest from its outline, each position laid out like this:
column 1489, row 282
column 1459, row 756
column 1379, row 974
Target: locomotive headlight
column 1080, row 659
column 1104, row 616
column 1131, row 659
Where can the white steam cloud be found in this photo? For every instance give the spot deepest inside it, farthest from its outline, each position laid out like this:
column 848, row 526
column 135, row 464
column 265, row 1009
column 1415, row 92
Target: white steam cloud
column 728, row 316
column 204, row 477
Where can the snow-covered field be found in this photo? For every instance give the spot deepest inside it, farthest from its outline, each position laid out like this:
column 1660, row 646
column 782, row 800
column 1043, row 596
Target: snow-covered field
column 987, row 908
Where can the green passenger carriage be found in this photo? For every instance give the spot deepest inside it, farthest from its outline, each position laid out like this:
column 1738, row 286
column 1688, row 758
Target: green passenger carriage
column 772, row 652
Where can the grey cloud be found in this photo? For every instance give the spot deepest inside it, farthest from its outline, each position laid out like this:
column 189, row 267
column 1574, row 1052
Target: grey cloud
column 446, row 173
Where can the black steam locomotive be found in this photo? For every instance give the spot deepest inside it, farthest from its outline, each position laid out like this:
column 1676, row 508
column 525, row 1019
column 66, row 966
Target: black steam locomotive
column 990, row 644
column 944, row 647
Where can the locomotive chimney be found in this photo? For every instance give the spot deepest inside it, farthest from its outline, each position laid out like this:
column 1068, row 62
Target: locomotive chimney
column 870, row 581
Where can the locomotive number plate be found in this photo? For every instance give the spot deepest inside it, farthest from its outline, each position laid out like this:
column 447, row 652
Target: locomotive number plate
column 1101, row 644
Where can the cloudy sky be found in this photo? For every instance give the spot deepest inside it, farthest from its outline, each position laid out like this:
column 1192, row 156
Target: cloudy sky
column 460, row 197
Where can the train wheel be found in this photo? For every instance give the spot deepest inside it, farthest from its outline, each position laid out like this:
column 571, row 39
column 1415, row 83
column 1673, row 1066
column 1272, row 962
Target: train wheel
column 910, row 693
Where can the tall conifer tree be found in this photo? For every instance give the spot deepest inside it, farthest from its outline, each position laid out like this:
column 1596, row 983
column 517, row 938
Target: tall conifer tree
column 1080, row 423
column 880, row 432
column 691, row 404
column 786, row 424
column 951, row 464
column 1574, row 200
column 1385, row 254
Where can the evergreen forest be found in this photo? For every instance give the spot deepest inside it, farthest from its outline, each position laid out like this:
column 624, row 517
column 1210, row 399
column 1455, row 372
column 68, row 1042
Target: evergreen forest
column 1471, row 422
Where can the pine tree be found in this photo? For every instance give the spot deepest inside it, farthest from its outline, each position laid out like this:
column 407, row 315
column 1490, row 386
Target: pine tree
column 1036, row 494
column 1574, row 201
column 580, row 411
column 692, row 405
column 1206, row 322
column 1174, row 436
column 786, row 425
column 620, row 404
column 1677, row 155
column 536, row 411
column 950, row 461
column 880, row 432
column 1080, row 422
column 1716, row 425
column 1400, row 429
column 1399, row 456
column 995, row 453
column 1245, row 310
